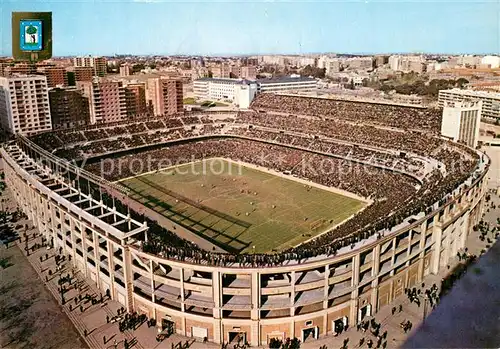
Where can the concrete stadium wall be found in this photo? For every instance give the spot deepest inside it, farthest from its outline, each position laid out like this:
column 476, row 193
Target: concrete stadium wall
column 259, row 303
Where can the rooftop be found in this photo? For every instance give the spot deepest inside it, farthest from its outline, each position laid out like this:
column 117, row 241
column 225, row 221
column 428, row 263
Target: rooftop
column 227, row 81
column 285, row 79
column 474, row 93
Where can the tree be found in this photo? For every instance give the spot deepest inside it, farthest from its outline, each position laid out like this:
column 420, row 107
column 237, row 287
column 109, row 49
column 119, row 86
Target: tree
column 31, row 30
column 460, row 82
column 308, row 70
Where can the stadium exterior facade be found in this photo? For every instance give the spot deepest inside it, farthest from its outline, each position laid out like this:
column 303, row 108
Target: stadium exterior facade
column 218, row 303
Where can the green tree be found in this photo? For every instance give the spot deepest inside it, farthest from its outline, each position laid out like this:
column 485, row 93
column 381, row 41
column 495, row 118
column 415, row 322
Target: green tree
column 309, row 70
column 31, row 30
column 460, row 82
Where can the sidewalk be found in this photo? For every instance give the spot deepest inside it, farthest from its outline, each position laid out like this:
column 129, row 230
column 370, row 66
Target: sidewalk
column 93, row 319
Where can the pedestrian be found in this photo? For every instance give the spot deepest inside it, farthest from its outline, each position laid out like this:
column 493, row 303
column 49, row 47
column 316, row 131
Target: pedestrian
column 400, row 308
column 393, row 310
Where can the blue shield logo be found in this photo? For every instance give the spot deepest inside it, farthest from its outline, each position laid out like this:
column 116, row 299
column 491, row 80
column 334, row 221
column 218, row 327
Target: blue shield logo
column 31, row 35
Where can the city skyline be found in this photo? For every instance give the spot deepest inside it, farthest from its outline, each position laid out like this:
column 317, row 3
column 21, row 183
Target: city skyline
column 256, row 28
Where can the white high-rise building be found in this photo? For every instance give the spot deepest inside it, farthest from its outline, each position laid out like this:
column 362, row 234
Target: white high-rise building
column 244, row 95
column 490, row 106
column 461, row 121
column 24, row 104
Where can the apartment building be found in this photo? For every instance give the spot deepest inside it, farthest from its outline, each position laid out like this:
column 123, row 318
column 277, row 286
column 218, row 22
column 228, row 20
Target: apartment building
column 98, row 64
column 136, row 99
column 407, row 64
column 83, row 73
column 107, row 100
column 24, row 104
column 361, row 63
column 20, row 69
column 172, row 96
column 491, row 100
column 56, row 76
column 332, row 66
column 68, row 108
column 125, row 70
column 165, row 95
column 461, row 121
column 248, row 72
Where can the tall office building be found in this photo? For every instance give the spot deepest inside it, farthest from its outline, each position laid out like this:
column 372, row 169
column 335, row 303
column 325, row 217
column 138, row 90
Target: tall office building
column 165, row 95
column 68, row 108
column 24, row 104
column 136, row 99
column 461, row 122
column 98, row 64
column 107, row 100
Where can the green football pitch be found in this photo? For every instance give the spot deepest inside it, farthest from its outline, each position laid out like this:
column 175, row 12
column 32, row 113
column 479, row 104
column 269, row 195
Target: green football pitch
column 239, row 208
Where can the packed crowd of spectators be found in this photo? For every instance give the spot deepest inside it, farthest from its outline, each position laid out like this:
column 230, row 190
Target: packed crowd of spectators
column 392, row 160
column 395, row 197
column 406, row 141
column 360, row 112
column 325, row 141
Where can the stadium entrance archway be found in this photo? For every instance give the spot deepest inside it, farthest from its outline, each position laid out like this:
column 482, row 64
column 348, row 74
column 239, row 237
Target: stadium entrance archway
column 280, row 336
column 235, row 337
column 168, row 326
column 364, row 312
column 310, row 333
column 339, row 325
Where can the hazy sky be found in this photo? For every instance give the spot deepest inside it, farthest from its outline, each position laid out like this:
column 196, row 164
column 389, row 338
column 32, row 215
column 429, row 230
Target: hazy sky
column 257, row 27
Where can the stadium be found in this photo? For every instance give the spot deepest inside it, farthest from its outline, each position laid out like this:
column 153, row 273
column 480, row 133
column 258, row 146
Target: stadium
column 296, row 218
